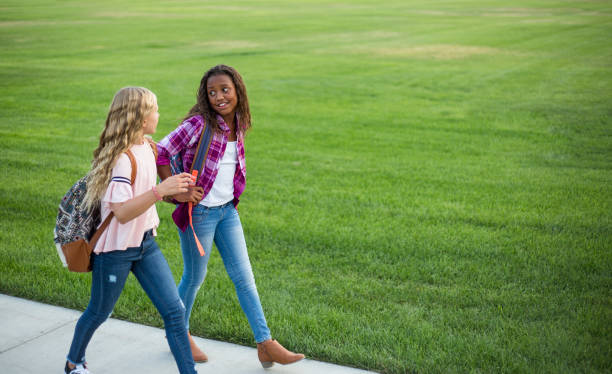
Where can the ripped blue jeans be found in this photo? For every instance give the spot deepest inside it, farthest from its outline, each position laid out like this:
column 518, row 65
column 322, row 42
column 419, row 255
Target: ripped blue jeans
column 110, row 271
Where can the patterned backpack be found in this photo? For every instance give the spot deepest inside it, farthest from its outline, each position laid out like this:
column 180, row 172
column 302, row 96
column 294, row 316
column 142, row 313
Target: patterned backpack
column 73, row 220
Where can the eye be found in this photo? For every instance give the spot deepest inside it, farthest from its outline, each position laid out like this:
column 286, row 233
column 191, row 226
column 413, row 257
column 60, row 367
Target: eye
column 212, row 93
column 225, row 90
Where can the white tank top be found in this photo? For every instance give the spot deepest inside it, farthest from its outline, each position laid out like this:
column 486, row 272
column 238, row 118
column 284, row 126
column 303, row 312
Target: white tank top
column 222, row 190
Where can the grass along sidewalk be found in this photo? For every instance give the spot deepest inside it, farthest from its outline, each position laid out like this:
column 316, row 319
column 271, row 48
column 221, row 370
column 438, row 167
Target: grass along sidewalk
column 429, row 185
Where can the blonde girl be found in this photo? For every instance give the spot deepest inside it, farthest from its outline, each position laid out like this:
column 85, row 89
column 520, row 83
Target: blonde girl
column 128, row 244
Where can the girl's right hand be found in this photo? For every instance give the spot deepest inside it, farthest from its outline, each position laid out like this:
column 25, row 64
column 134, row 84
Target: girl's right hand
column 174, row 185
column 193, row 195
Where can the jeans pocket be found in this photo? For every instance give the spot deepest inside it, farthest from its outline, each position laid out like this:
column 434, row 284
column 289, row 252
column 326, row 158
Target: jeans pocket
column 199, row 214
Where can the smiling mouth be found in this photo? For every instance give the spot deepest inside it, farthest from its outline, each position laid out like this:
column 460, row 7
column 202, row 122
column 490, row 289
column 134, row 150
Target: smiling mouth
column 222, row 105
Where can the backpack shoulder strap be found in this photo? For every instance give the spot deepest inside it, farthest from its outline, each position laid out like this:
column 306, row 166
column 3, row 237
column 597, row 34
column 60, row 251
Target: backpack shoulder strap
column 153, row 147
column 202, row 150
column 104, row 225
column 134, row 166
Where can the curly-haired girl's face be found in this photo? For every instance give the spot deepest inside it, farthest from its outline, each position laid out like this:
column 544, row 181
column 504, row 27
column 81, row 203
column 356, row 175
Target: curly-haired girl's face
column 222, row 95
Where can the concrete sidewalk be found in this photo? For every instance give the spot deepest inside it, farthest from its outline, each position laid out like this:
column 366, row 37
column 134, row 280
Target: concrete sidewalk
column 35, row 338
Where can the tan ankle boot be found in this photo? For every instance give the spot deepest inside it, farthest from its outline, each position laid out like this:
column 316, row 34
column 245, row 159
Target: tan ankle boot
column 198, row 355
column 270, row 351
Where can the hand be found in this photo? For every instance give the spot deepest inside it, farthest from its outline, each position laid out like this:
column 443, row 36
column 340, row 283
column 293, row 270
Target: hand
column 194, row 195
column 175, row 184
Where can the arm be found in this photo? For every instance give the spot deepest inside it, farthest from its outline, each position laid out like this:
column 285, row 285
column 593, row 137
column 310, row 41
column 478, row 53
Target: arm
column 163, row 171
column 182, row 137
column 128, row 210
column 193, row 193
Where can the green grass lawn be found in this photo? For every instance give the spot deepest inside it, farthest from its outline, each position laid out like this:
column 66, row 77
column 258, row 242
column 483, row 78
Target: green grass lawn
column 429, row 182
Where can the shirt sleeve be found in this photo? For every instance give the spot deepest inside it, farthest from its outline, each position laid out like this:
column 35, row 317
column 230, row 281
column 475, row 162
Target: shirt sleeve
column 181, row 138
column 120, row 187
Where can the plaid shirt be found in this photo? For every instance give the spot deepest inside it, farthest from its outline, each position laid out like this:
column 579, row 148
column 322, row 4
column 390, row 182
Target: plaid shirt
column 184, row 139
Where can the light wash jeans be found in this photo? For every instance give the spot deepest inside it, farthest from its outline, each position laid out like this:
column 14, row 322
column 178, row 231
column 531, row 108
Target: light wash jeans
column 110, row 271
column 221, row 224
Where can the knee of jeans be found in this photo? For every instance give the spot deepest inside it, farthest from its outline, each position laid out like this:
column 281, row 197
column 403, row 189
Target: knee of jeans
column 243, row 280
column 97, row 318
column 194, row 279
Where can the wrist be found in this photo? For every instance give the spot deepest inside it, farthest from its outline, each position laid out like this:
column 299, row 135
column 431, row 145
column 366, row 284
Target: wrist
column 158, row 197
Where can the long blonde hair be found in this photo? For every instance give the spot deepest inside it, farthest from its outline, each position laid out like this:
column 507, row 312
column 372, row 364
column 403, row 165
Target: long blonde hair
column 123, row 128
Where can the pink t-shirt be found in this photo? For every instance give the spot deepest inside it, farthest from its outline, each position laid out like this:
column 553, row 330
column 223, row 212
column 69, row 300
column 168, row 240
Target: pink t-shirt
column 119, row 236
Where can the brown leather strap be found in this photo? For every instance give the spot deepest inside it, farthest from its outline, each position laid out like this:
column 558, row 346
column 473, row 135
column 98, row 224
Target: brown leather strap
column 99, row 231
column 134, row 167
column 104, row 225
column 153, row 147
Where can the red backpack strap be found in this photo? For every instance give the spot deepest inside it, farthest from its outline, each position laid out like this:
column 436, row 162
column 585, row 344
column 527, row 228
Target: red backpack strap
column 199, row 159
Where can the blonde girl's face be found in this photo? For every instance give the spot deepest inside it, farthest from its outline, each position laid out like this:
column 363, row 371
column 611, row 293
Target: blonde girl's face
column 150, row 121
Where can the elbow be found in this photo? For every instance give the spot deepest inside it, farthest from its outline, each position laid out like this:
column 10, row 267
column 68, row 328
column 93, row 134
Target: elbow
column 164, row 171
column 121, row 214
column 122, row 220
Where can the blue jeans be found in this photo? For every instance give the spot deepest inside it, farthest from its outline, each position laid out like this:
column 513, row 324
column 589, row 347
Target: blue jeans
column 221, row 224
column 110, row 271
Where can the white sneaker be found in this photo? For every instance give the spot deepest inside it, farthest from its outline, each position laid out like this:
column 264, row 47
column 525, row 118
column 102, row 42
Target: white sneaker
column 79, row 369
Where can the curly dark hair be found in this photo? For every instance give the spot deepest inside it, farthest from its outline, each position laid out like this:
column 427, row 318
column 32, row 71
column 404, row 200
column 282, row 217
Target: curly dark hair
column 203, row 107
